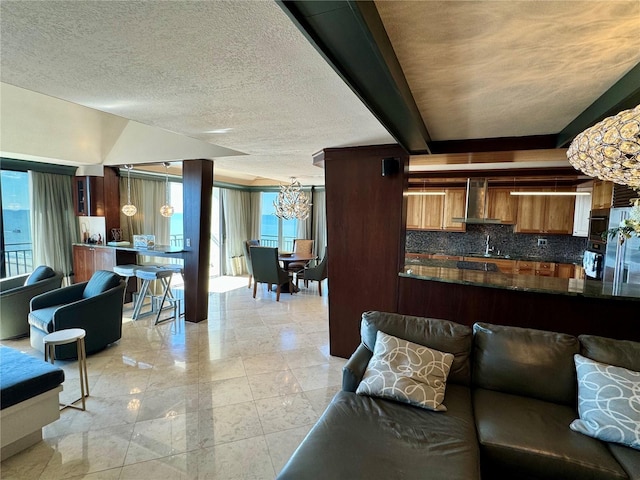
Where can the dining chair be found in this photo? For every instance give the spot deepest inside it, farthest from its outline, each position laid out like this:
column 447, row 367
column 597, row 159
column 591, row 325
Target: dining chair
column 301, row 245
column 267, row 269
column 317, row 273
column 247, row 256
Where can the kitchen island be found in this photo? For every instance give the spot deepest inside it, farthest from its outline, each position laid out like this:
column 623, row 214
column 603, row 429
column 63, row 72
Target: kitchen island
column 439, row 289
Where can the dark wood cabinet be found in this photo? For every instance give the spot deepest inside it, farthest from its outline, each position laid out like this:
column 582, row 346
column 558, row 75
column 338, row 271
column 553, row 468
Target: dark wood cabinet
column 98, row 197
column 89, row 258
column 88, row 196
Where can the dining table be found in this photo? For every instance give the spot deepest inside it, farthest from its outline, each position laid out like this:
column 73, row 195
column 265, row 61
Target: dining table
column 289, row 258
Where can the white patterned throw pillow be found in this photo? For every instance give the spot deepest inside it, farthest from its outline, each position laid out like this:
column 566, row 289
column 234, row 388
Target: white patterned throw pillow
column 406, row 372
column 608, row 402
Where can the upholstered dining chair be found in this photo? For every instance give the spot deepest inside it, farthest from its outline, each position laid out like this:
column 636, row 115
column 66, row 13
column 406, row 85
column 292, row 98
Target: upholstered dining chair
column 247, row 256
column 267, row 269
column 95, row 306
column 317, row 273
column 301, row 245
column 16, row 294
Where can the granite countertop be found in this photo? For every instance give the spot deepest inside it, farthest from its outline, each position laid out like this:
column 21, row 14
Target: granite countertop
column 503, row 257
column 158, row 249
column 446, row 271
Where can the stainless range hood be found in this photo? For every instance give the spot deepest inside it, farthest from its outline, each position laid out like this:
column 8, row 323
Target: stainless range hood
column 476, row 204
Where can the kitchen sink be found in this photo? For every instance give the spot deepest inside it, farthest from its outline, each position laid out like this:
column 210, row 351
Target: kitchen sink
column 490, row 255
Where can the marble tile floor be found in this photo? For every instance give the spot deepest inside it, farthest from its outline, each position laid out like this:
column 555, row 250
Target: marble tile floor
column 230, row 397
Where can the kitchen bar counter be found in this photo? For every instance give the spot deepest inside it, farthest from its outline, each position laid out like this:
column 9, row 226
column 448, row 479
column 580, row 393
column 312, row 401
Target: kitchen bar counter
column 446, row 271
column 157, row 251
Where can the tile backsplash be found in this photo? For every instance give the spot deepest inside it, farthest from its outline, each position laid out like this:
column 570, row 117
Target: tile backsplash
column 559, row 248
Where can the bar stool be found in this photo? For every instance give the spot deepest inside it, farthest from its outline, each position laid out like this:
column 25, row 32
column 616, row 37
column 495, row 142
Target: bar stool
column 62, row 337
column 149, row 274
column 126, row 271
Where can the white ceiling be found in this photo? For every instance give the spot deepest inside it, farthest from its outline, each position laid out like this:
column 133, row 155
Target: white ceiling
column 191, row 68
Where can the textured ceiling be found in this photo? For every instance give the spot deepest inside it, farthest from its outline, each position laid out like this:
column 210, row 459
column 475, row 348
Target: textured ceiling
column 485, row 69
column 190, row 68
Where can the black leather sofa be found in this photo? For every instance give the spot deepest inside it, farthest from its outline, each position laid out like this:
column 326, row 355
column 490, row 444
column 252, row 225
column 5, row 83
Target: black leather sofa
column 511, row 394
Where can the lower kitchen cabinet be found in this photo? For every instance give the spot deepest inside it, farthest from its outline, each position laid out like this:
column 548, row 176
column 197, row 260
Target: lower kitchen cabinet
column 87, row 259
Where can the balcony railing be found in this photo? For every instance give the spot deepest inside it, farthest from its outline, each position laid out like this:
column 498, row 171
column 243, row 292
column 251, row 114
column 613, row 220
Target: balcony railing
column 18, row 259
column 272, row 241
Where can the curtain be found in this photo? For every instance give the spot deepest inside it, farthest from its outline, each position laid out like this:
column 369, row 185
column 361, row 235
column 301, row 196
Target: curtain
column 256, row 215
column 54, row 224
column 319, row 227
column 305, row 227
column 236, row 210
column 148, row 196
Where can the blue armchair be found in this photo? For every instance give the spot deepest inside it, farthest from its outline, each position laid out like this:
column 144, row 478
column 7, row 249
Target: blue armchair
column 16, row 294
column 95, row 306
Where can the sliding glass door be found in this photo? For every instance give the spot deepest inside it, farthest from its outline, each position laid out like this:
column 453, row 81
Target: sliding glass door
column 15, row 239
column 275, row 231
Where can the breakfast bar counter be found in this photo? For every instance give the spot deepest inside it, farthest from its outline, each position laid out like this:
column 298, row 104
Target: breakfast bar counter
column 573, row 306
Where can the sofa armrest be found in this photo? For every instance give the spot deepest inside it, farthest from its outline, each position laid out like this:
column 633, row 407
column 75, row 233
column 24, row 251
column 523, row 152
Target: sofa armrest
column 60, row 296
column 8, row 284
column 354, row 369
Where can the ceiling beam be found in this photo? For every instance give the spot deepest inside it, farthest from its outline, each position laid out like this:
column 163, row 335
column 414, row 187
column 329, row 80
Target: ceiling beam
column 623, row 95
column 504, row 173
column 352, row 39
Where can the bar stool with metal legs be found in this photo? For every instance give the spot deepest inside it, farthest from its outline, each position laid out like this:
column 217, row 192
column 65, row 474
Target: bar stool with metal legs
column 126, row 271
column 147, row 275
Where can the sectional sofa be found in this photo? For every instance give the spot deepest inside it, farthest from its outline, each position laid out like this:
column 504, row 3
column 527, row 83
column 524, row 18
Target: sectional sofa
column 511, row 398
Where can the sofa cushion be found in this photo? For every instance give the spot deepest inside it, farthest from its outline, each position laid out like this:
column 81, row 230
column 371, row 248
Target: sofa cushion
column 628, row 458
column 40, row 273
column 372, row 438
column 42, row 319
column 523, row 361
column 621, row 353
column 23, row 376
column 441, row 335
column 406, row 372
column 100, row 282
column 524, row 437
column 608, row 402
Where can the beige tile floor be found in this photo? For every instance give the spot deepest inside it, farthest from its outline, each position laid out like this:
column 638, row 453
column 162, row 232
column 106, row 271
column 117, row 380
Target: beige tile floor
column 230, row 397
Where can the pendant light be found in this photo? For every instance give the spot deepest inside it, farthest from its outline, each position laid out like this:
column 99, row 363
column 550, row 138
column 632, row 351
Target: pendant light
column 129, row 209
column 166, row 210
column 292, row 202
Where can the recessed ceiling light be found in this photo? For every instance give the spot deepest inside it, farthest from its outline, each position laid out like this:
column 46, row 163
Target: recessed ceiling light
column 219, row 130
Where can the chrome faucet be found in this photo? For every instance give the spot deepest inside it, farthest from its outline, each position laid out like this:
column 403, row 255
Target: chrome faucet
column 488, row 249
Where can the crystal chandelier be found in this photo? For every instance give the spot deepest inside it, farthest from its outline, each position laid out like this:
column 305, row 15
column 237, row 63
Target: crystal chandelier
column 292, row 202
column 610, row 149
column 166, row 210
column 129, row 209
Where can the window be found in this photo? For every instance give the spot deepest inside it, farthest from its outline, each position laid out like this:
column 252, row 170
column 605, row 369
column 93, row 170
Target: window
column 175, row 223
column 274, row 231
column 16, row 223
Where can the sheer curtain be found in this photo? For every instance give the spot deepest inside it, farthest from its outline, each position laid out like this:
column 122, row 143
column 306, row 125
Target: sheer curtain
column 236, row 210
column 54, row 224
column 319, row 227
column 148, row 196
column 256, row 214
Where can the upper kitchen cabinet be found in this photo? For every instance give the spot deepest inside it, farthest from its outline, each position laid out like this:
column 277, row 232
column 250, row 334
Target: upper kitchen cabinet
column 545, row 214
column 98, row 197
column 602, row 194
column 502, row 205
column 88, row 196
column 582, row 212
column 436, row 212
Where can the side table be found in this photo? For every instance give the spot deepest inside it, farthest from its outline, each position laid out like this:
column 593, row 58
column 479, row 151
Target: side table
column 62, row 337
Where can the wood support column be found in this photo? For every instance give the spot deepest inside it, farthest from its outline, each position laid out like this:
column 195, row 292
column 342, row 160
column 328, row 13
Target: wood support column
column 197, row 185
column 365, row 237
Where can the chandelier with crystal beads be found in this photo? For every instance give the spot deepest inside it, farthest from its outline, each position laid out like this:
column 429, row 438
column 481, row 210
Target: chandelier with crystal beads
column 610, row 150
column 129, row 209
column 292, row 202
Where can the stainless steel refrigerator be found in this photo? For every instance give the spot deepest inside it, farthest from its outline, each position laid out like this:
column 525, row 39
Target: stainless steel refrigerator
column 626, row 256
